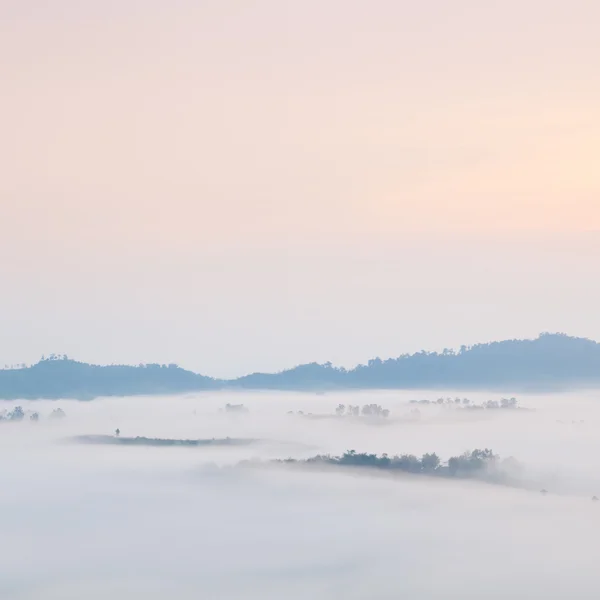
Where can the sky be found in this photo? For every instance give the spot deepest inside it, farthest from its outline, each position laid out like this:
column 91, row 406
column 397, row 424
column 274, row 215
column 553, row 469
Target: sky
column 120, row 521
column 247, row 185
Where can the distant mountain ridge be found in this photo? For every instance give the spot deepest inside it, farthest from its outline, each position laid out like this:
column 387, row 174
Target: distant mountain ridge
column 550, row 361
column 66, row 378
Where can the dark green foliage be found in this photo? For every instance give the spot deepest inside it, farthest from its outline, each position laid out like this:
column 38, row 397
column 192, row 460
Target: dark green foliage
column 468, row 463
column 478, row 463
column 430, row 462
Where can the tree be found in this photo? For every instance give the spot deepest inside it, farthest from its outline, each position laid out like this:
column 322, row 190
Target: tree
column 374, row 410
column 17, row 414
column 407, row 462
column 430, row 462
column 57, row 413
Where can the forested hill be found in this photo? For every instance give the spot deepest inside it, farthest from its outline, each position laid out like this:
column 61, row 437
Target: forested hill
column 551, row 361
column 65, row 378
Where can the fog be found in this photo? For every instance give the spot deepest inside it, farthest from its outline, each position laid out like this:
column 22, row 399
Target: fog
column 91, row 521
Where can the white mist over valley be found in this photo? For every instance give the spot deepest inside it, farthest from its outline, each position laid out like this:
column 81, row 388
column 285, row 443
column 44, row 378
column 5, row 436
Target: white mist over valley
column 82, row 520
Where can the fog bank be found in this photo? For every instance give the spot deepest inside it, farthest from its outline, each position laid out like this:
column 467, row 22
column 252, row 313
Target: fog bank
column 112, row 521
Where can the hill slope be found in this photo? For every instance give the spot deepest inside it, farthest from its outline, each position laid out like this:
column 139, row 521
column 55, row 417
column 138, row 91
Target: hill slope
column 65, row 378
column 551, row 361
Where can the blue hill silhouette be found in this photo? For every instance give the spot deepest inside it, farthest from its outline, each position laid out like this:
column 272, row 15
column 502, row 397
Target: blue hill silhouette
column 551, row 361
column 66, row 378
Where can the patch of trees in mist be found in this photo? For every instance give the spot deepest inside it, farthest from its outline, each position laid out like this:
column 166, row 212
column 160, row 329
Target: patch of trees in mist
column 465, row 403
column 118, row 440
column 375, row 412
column 17, row 414
column 368, row 411
column 480, row 464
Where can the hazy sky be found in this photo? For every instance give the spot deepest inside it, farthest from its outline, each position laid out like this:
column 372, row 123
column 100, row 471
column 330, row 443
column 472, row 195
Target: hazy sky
column 241, row 185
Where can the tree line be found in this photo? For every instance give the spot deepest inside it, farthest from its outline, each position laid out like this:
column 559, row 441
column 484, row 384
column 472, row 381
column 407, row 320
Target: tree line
column 479, row 463
column 19, row 414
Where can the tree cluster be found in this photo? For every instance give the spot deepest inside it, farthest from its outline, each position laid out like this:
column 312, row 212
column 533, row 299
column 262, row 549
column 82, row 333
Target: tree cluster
column 477, row 463
column 235, row 408
column 503, row 403
column 368, row 410
column 18, row 414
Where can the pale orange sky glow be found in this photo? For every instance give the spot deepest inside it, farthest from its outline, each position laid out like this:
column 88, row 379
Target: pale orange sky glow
column 135, row 130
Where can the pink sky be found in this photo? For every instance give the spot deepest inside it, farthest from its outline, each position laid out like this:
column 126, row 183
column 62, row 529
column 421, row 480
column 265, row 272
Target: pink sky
column 166, row 133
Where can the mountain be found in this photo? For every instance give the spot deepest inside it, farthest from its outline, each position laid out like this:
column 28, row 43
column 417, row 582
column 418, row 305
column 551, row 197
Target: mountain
column 549, row 362
column 65, row 378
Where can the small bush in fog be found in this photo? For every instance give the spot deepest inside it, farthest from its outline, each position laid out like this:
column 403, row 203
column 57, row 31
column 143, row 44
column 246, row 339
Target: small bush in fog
column 235, row 408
